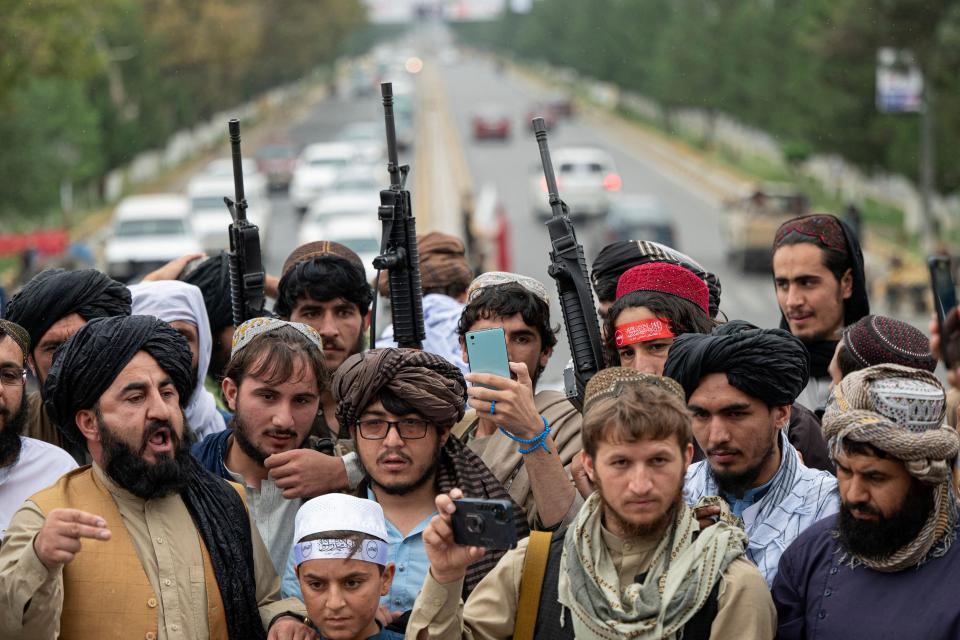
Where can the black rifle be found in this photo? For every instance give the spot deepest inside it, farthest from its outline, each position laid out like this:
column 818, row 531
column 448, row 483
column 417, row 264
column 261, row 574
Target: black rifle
column 569, row 269
column 398, row 245
column 247, row 276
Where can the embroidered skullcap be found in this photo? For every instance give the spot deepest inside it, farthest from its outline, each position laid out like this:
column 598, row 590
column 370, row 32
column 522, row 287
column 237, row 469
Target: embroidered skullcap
column 610, row 382
column 254, row 327
column 56, row 293
column 825, row 230
column 664, row 277
column 614, row 259
column 340, row 512
column 496, row 278
column 86, row 365
column 320, row 249
column 18, row 334
column 879, row 340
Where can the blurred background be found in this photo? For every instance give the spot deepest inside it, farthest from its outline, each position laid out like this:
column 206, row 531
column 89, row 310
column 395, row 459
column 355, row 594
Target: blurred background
column 699, row 123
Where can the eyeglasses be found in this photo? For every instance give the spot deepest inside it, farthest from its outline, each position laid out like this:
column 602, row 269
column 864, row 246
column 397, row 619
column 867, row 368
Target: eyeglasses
column 408, row 428
column 13, row 376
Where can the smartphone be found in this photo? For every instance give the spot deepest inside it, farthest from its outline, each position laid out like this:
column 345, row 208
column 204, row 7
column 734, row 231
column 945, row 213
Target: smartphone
column 487, row 352
column 484, row 523
column 944, row 298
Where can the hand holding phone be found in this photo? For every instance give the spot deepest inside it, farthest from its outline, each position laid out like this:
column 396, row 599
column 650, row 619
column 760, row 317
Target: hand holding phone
column 484, row 523
column 944, row 302
column 487, row 352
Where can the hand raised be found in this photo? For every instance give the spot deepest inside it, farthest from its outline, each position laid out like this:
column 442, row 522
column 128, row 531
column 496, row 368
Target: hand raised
column 448, row 560
column 59, row 538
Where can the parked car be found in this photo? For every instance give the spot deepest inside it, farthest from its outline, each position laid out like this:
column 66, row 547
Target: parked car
column 146, row 233
column 361, row 179
column 586, row 177
column 639, row 217
column 276, row 160
column 352, row 206
column 360, row 233
column 749, row 224
column 316, row 170
column 491, row 122
column 209, row 215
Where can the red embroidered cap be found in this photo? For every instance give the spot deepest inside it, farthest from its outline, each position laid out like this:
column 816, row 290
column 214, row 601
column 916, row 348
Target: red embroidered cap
column 664, row 277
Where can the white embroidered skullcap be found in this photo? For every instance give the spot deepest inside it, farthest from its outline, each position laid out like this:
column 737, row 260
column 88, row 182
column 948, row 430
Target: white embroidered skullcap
column 340, row 512
column 495, row 278
column 254, row 327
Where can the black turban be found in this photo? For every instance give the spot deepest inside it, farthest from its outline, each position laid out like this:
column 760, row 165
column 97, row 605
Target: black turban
column 615, row 259
column 86, row 365
column 428, row 383
column 55, row 293
column 212, row 277
column 769, row 364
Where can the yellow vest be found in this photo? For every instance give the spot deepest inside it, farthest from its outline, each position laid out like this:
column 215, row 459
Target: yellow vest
column 106, row 593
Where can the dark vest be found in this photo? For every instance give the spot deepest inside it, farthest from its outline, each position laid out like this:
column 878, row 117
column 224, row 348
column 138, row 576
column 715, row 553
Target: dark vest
column 548, row 617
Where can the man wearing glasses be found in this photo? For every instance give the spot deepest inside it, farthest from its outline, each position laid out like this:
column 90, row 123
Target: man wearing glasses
column 399, row 406
column 26, row 465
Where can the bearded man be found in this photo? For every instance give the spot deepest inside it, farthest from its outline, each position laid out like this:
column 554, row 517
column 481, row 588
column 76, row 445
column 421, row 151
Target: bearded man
column 882, row 567
column 145, row 542
column 740, row 383
column 272, row 384
column 26, row 465
column 399, row 406
column 634, row 564
column 52, row 306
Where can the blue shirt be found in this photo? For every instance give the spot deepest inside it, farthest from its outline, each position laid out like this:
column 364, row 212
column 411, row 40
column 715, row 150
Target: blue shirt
column 409, row 555
column 383, row 634
column 739, row 505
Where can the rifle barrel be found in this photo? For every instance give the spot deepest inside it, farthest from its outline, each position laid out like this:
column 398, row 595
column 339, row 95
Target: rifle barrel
column 241, row 200
column 393, row 162
column 553, row 192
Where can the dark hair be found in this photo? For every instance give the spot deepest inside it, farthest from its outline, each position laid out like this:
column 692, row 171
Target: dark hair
column 503, row 300
column 847, row 363
column 283, row 349
column 684, row 316
column 324, row 278
column 638, row 412
column 852, row 447
column 355, row 538
column 606, row 288
column 394, row 404
column 835, row 261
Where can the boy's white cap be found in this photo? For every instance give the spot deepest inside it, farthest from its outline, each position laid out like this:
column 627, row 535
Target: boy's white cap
column 339, row 512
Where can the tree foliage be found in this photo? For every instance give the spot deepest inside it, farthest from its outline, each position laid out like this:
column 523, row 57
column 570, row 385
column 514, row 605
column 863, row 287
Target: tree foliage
column 804, row 71
column 87, row 84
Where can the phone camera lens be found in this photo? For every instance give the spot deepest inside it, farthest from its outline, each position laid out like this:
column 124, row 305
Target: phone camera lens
column 474, row 523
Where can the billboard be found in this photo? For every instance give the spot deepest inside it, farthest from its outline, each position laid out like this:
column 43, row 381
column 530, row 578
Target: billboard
column 899, row 82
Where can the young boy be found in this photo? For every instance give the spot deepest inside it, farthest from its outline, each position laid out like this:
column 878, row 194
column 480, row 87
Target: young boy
column 340, row 551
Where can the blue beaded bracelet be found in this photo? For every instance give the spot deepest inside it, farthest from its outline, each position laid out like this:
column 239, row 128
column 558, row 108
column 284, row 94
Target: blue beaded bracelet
column 539, row 442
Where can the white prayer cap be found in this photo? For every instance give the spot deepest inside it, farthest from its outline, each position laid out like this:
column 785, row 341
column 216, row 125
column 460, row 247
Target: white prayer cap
column 340, row 512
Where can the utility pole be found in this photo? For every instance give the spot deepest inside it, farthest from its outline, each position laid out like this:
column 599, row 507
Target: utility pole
column 927, row 168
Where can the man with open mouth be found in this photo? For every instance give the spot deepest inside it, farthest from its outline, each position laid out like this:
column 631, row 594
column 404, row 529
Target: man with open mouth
column 145, row 542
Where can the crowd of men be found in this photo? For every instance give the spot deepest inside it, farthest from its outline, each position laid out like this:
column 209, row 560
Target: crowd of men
column 166, row 474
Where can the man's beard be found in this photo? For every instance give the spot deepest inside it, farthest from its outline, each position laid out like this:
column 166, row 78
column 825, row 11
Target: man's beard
column 737, row 484
column 241, row 437
column 881, row 538
column 13, row 424
column 403, row 489
column 632, row 529
column 146, row 480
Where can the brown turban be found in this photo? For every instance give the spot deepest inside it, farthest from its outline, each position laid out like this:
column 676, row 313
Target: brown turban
column 428, row 383
column 318, row 250
column 443, row 263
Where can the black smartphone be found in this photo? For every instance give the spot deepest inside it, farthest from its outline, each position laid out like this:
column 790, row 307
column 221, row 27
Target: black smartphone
column 484, row 523
column 944, row 298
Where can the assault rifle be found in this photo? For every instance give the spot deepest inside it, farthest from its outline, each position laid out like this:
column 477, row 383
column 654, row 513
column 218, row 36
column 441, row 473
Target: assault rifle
column 569, row 269
column 247, row 276
column 398, row 244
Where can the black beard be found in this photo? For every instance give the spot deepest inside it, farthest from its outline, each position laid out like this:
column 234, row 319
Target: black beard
column 737, row 484
column 10, row 442
column 146, row 480
column 403, row 489
column 878, row 539
column 246, row 445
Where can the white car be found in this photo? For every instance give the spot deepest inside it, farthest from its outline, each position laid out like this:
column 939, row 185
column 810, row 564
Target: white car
column 350, row 206
column 360, row 233
column 361, row 179
column 316, row 169
column 587, row 179
column 209, row 215
column 147, row 232
column 369, row 138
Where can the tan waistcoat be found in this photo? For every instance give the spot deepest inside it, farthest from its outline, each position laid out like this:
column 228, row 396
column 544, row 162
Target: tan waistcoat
column 106, row 593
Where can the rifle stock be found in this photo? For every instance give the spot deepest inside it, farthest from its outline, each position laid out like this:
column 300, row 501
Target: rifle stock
column 568, row 268
column 247, row 277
